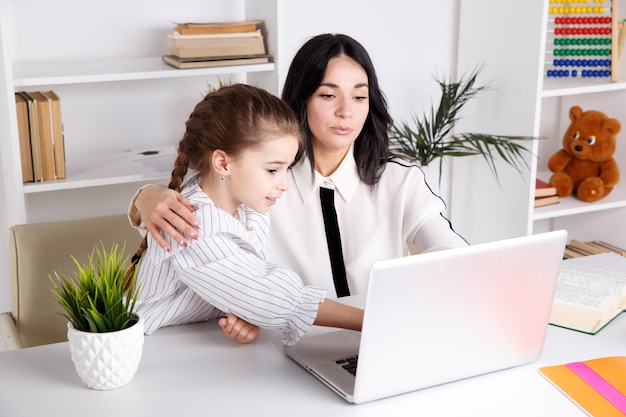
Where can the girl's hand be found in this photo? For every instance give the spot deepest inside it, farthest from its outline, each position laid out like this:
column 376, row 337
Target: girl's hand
column 238, row 329
column 162, row 209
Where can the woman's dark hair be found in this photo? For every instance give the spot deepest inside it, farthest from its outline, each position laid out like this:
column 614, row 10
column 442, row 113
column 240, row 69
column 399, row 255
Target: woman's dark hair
column 307, row 70
column 232, row 119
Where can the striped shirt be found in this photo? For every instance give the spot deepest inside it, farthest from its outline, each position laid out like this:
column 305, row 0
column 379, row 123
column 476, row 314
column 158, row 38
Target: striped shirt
column 224, row 271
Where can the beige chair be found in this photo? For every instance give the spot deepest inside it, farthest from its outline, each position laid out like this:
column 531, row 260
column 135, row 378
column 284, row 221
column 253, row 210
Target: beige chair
column 39, row 249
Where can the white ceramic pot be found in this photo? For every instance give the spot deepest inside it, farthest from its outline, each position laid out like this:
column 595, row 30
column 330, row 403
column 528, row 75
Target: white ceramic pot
column 106, row 361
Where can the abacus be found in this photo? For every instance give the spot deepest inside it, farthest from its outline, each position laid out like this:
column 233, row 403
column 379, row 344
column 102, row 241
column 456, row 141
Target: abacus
column 584, row 38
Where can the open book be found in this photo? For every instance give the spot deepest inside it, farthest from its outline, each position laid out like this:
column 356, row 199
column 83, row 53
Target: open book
column 589, row 293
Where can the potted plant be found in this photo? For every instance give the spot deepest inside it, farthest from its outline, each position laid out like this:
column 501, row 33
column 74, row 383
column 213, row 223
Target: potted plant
column 430, row 138
column 104, row 332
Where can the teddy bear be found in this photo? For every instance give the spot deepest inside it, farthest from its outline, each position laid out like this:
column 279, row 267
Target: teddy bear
column 585, row 165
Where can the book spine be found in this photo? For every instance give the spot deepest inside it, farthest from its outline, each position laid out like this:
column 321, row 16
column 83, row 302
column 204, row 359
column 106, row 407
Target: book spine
column 545, row 201
column 173, row 61
column 26, row 153
column 207, row 28
column 57, row 134
column 45, row 136
column 216, row 51
column 586, row 248
column 570, row 253
column 34, row 135
column 612, row 248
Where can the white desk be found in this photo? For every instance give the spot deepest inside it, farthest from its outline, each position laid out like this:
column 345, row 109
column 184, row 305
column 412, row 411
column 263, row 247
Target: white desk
column 195, row 370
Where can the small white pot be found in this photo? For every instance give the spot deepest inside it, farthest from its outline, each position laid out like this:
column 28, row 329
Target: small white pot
column 106, row 360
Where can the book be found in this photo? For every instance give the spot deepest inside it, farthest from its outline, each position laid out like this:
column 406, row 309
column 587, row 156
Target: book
column 571, row 252
column 58, row 140
column 543, row 189
column 610, row 247
column 44, row 122
column 33, row 122
column 216, row 27
column 177, row 40
column 255, row 47
column 597, row 386
column 589, row 293
column 186, row 63
column 23, row 128
column 587, row 248
column 546, row 201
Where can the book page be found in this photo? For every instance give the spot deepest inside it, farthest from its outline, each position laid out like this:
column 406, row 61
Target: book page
column 588, row 286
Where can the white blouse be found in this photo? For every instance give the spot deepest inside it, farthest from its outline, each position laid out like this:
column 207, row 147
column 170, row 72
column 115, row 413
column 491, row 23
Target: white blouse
column 224, row 270
column 375, row 223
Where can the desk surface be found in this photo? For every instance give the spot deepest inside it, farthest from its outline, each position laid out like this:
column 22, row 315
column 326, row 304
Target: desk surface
column 195, row 370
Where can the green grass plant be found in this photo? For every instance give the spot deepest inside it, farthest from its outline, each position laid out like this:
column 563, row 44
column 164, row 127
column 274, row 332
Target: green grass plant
column 97, row 298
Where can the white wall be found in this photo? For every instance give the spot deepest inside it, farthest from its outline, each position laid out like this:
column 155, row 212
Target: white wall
column 410, row 45
column 409, row 42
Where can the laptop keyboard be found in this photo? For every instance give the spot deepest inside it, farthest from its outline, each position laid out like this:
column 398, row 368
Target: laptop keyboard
column 349, row 363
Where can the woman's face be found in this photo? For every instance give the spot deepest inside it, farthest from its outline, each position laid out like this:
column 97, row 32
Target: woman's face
column 337, row 110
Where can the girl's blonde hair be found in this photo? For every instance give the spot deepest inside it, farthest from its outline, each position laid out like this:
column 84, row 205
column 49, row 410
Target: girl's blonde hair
column 232, row 119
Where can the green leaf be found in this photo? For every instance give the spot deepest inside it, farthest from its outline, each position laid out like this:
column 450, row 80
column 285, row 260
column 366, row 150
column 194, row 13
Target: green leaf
column 429, row 138
column 95, row 298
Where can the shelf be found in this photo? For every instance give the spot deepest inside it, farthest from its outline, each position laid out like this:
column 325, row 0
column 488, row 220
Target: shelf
column 98, row 170
column 557, row 87
column 571, row 205
column 56, row 73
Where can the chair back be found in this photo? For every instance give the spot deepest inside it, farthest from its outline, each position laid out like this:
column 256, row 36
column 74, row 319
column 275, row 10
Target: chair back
column 37, row 250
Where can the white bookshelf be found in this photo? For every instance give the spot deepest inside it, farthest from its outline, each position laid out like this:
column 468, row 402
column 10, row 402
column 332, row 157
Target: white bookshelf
column 525, row 102
column 96, row 170
column 117, row 95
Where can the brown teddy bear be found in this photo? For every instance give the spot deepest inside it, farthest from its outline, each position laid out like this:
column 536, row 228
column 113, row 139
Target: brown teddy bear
column 585, row 165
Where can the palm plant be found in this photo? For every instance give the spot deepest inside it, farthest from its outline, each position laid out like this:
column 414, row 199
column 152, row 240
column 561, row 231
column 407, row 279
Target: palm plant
column 98, row 298
column 431, row 137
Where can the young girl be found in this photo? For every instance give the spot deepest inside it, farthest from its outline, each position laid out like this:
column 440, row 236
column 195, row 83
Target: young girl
column 239, row 142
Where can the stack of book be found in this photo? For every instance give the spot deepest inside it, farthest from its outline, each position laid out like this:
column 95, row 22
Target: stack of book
column 203, row 45
column 545, row 194
column 578, row 248
column 40, row 129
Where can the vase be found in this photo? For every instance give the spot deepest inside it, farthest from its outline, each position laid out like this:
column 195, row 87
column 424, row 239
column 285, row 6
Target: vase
column 109, row 360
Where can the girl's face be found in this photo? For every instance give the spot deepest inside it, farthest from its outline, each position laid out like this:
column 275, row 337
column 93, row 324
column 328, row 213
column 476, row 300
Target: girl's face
column 337, row 110
column 258, row 176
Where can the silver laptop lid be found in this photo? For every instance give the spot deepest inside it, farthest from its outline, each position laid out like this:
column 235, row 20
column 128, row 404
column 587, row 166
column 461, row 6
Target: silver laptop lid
column 458, row 313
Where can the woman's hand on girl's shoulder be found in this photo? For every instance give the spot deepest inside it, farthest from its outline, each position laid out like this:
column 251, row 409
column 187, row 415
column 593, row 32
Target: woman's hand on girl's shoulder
column 163, row 209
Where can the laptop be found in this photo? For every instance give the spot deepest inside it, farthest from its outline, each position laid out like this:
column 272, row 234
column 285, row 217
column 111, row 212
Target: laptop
column 440, row 317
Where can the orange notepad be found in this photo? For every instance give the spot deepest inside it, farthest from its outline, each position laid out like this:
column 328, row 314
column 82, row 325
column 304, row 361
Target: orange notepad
column 598, row 386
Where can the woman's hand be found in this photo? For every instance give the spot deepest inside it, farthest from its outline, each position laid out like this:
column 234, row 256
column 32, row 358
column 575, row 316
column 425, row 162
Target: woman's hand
column 162, row 209
column 238, row 329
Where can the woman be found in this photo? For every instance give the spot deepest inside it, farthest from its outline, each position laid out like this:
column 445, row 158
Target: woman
column 382, row 200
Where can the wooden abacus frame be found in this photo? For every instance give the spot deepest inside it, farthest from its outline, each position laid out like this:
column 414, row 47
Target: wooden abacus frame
column 617, row 34
column 616, row 40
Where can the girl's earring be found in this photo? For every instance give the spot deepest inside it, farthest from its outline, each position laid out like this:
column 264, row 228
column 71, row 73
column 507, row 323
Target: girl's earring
column 221, row 178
